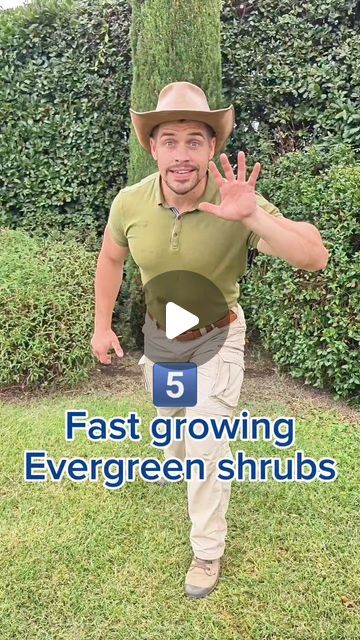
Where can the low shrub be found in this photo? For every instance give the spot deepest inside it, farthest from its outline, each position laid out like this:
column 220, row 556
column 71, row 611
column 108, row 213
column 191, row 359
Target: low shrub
column 309, row 321
column 46, row 310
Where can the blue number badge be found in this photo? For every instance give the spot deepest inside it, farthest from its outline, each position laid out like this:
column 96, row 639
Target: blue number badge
column 175, row 384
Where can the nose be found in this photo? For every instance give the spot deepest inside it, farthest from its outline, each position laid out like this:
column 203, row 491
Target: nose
column 182, row 154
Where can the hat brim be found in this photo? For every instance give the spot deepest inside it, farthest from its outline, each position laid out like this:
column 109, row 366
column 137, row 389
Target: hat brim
column 221, row 120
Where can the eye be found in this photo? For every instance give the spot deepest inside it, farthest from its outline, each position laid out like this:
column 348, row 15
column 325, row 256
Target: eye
column 196, row 142
column 168, row 142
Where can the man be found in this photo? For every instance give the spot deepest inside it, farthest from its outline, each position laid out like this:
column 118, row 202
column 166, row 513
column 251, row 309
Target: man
column 187, row 216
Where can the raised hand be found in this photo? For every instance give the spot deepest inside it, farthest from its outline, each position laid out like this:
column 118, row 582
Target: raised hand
column 238, row 199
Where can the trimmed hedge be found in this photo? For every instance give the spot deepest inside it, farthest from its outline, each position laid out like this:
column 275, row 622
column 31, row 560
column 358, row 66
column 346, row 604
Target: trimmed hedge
column 64, row 97
column 310, row 321
column 292, row 71
column 46, row 310
column 65, row 94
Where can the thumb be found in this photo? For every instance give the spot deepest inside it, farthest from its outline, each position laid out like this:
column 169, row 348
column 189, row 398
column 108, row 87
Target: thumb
column 117, row 348
column 210, row 208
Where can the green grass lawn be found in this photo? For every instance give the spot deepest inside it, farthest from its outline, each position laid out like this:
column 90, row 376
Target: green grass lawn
column 81, row 562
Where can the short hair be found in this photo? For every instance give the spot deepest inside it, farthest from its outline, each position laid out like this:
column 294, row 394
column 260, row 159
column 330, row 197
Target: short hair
column 210, row 131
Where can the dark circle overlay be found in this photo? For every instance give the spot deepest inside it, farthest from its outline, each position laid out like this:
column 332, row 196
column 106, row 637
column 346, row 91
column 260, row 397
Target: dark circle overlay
column 194, row 293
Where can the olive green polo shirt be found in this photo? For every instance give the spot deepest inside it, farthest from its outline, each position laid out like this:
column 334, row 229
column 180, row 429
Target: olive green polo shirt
column 160, row 239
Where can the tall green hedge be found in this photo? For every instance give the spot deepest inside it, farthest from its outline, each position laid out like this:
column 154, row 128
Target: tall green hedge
column 292, row 70
column 65, row 84
column 66, row 77
column 310, row 321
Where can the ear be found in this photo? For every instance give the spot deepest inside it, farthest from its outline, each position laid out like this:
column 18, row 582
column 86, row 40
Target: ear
column 212, row 148
column 153, row 147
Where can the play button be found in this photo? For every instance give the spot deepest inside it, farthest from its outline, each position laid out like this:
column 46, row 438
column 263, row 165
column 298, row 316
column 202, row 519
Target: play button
column 178, row 320
column 180, row 301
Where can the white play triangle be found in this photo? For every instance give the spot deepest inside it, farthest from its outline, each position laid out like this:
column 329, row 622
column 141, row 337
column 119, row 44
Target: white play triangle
column 178, row 320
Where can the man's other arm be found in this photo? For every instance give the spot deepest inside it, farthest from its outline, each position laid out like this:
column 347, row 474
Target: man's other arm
column 108, row 280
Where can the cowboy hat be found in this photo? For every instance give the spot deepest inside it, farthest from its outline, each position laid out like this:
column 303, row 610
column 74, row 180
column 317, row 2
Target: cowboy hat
column 183, row 100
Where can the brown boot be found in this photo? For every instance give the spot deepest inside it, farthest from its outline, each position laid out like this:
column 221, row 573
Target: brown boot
column 202, row 577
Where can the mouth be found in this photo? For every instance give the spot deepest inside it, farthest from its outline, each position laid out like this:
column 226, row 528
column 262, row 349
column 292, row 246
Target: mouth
column 181, row 174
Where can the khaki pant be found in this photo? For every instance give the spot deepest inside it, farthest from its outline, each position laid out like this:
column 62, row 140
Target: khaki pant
column 219, row 384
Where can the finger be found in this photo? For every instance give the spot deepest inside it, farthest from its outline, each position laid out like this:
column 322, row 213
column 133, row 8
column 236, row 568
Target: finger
column 254, row 174
column 118, row 350
column 229, row 174
column 241, row 173
column 210, row 208
column 95, row 351
column 216, row 173
column 102, row 355
column 96, row 354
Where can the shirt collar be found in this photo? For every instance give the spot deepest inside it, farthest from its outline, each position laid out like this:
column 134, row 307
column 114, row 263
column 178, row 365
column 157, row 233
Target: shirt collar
column 209, row 195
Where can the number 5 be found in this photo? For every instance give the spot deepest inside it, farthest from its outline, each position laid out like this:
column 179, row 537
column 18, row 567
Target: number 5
column 171, row 382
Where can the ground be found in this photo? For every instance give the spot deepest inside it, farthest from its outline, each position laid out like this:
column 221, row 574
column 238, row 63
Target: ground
column 262, row 382
column 81, row 562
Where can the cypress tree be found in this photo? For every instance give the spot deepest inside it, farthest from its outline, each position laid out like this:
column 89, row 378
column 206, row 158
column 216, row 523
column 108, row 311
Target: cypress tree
column 171, row 40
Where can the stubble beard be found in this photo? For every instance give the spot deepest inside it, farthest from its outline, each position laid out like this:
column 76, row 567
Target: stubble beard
column 182, row 190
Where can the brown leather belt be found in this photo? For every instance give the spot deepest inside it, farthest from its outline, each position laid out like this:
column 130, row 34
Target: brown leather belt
column 197, row 333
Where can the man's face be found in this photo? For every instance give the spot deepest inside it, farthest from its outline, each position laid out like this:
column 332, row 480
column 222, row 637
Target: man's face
column 182, row 146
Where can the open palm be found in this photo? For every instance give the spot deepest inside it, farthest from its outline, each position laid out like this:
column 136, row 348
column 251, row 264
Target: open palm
column 238, row 199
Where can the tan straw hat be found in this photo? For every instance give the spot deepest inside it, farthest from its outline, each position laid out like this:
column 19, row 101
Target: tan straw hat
column 183, row 100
